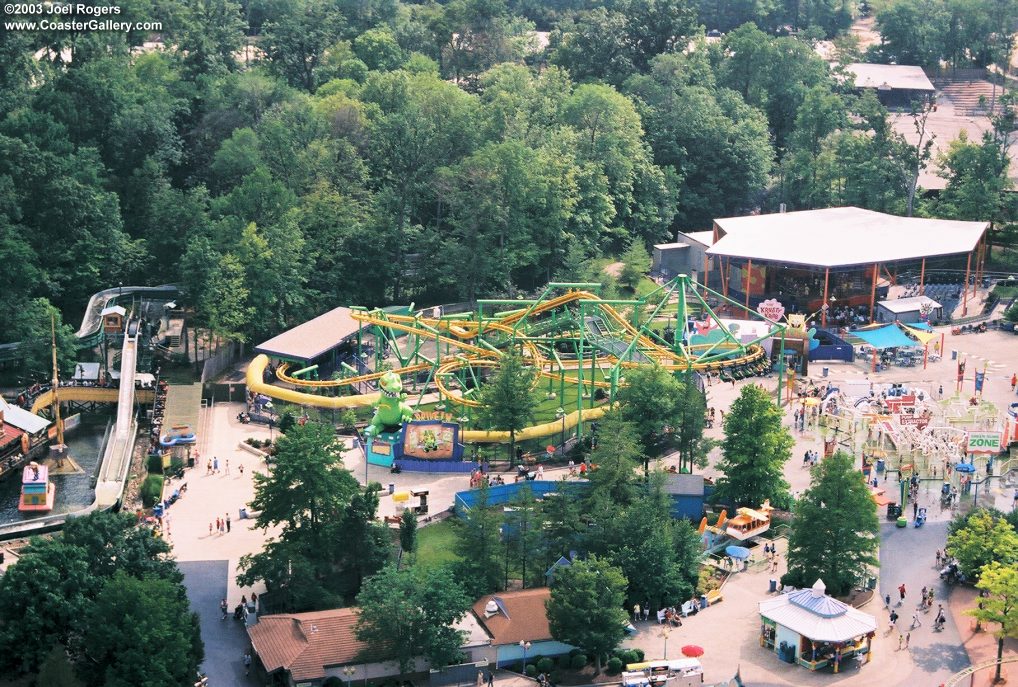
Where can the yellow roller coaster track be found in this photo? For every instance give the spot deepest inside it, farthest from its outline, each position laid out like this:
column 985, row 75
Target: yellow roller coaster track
column 477, row 356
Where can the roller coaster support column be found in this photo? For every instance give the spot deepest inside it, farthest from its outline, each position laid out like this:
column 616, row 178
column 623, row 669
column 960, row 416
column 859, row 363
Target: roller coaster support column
column 579, row 374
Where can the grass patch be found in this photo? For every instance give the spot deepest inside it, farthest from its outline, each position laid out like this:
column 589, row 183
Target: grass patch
column 436, row 544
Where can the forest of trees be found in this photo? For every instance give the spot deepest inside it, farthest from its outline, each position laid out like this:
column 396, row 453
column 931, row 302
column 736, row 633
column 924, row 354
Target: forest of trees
column 281, row 157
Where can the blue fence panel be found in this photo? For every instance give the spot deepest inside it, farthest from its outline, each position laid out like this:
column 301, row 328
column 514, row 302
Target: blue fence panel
column 432, row 466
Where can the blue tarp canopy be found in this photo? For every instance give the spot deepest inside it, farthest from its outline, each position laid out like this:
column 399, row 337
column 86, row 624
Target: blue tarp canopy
column 920, row 325
column 885, row 337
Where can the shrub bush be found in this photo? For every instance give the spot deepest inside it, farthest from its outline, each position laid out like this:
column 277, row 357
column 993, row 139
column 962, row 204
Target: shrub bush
column 578, row 661
column 154, row 464
column 639, row 655
column 332, row 681
column 176, row 464
column 545, row 665
column 614, row 666
column 626, row 656
column 151, row 490
column 565, row 662
column 531, row 670
column 555, row 676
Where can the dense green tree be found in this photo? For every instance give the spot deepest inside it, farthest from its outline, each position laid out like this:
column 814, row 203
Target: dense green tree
column 412, row 612
column 835, row 530
column 982, row 540
column 616, row 455
column 808, row 166
column 209, row 34
column 507, row 400
column 32, row 325
column 479, row 549
column 586, row 607
column 521, row 532
column 140, row 632
column 596, row 47
column 977, row 182
column 755, row 449
column 998, row 604
column 47, row 596
column 719, row 145
column 378, row 49
column 912, row 32
column 408, row 532
column 328, row 542
column 651, row 401
column 296, row 37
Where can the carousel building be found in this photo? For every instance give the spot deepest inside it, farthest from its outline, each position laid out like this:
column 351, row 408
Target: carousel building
column 816, row 631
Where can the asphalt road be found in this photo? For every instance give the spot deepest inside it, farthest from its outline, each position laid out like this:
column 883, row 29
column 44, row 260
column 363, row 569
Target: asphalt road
column 909, row 555
column 225, row 640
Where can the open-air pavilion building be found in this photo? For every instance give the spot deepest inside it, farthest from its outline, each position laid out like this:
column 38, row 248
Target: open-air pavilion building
column 815, row 630
column 837, row 257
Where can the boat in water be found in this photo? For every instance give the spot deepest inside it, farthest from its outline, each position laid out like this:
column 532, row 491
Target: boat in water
column 38, row 494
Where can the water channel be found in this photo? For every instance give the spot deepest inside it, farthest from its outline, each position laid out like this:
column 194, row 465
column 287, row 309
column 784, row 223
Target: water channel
column 74, row 490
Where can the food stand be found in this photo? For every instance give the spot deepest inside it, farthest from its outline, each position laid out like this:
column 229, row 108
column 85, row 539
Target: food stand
column 815, row 630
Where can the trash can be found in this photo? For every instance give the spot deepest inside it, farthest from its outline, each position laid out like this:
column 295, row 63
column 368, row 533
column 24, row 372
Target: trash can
column 826, row 370
column 773, row 586
column 954, row 355
column 703, row 601
column 871, row 583
column 392, row 488
column 880, row 464
column 243, row 513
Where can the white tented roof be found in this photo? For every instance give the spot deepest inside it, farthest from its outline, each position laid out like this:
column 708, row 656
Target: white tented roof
column 812, row 614
column 890, row 76
column 22, row 419
column 703, row 237
column 841, row 237
column 913, row 304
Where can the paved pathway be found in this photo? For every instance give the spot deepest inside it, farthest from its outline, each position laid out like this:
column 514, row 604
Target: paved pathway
column 225, row 640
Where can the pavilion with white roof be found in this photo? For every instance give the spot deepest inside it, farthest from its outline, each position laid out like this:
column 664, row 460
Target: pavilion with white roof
column 815, row 630
column 836, row 256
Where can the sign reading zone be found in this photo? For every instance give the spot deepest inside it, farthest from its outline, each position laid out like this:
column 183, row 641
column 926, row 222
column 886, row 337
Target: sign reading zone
column 983, row 442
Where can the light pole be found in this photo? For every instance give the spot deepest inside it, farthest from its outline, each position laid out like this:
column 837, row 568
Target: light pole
column 349, row 672
column 525, row 645
column 665, row 631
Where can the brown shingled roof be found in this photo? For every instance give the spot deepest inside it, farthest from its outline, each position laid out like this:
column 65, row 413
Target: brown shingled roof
column 306, row 643
column 527, row 617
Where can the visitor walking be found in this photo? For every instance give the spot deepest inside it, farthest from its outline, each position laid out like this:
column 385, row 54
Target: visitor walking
column 227, row 522
column 227, row 470
column 636, row 613
column 208, row 467
column 223, row 607
column 915, row 621
column 1014, row 381
column 247, row 662
column 901, row 593
column 215, row 465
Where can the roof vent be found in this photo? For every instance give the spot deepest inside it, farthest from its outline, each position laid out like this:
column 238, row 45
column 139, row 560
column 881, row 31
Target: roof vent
column 819, row 589
column 314, row 629
column 490, row 608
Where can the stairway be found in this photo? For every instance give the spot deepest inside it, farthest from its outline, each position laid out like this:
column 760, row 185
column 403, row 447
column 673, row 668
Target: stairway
column 970, row 96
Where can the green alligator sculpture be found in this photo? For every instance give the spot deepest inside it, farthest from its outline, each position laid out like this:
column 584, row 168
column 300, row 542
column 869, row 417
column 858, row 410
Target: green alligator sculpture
column 391, row 409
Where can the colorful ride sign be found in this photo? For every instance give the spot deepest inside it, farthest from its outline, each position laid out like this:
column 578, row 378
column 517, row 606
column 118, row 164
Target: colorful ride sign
column 772, row 309
column 983, row 442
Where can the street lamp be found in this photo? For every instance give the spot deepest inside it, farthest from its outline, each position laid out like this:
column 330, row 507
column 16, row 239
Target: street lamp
column 560, row 413
column 525, row 645
column 349, row 672
column 665, row 631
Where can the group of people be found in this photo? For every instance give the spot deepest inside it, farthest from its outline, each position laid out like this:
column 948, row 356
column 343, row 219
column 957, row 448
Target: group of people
column 242, row 610
column 810, row 458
